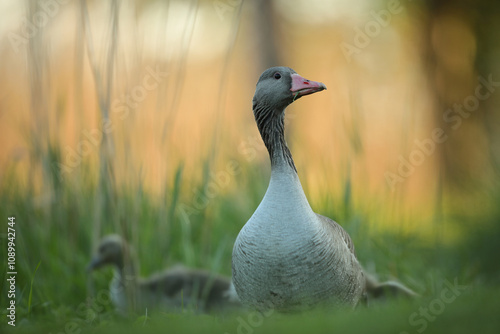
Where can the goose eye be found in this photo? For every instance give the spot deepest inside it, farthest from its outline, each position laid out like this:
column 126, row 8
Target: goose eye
column 277, row 76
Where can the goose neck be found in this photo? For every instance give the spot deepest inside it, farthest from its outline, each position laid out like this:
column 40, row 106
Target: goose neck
column 271, row 125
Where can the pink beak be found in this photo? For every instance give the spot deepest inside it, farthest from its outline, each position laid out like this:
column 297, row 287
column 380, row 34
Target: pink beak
column 301, row 86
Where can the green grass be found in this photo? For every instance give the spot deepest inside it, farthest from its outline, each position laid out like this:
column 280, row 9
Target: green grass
column 57, row 232
column 424, row 315
column 31, row 288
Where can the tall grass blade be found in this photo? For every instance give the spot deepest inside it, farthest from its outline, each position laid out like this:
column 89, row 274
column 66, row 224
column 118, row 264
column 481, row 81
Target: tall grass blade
column 31, row 288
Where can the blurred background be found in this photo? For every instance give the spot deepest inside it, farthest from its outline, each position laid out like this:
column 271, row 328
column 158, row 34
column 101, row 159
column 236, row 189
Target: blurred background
column 134, row 117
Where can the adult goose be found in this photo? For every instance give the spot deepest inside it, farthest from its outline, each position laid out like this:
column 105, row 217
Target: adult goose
column 171, row 290
column 287, row 257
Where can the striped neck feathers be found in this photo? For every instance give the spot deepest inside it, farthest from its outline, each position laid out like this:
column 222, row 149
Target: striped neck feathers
column 271, row 125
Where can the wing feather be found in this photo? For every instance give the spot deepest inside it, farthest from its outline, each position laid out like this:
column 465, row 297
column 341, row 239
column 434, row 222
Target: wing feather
column 338, row 230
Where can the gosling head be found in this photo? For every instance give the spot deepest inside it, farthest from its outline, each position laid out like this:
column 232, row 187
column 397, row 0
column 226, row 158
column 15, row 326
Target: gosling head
column 110, row 252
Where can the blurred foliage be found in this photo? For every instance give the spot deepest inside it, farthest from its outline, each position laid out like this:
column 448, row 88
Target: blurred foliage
column 162, row 176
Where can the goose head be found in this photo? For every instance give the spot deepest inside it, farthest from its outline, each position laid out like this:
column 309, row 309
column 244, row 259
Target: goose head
column 276, row 89
column 280, row 86
column 110, row 252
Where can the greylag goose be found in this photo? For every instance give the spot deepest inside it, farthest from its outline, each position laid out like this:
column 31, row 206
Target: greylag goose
column 169, row 290
column 287, row 257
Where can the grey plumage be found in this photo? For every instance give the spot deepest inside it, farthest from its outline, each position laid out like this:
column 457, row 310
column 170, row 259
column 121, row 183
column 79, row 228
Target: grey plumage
column 170, row 290
column 287, row 257
column 390, row 289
